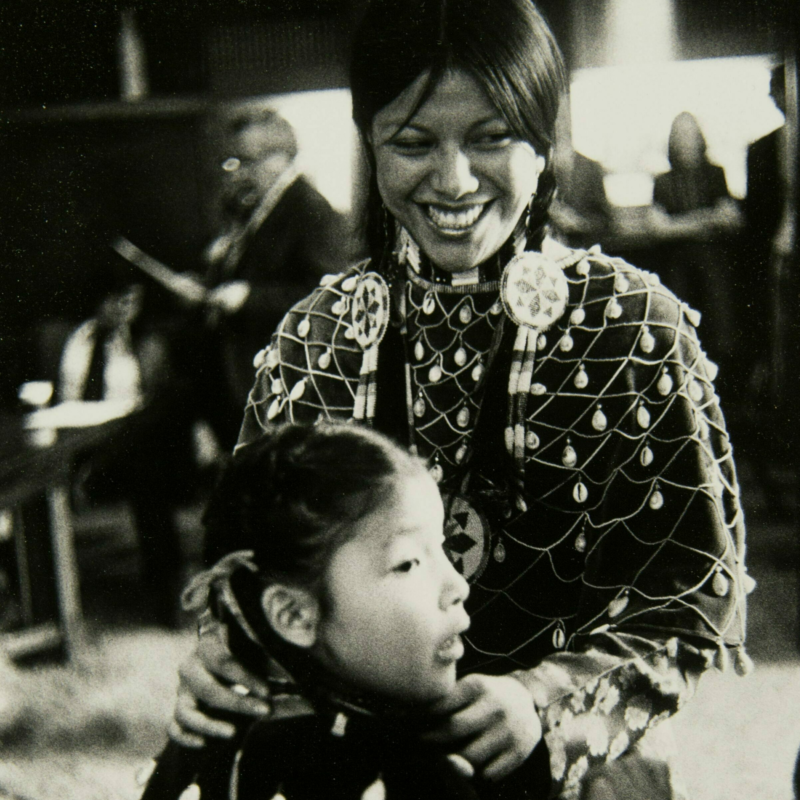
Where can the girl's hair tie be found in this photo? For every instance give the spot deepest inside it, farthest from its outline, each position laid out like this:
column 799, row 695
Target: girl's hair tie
column 196, row 595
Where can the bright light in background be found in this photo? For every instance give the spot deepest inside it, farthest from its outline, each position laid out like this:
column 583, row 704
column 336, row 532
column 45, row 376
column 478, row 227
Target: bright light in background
column 640, row 31
column 326, row 139
column 621, row 117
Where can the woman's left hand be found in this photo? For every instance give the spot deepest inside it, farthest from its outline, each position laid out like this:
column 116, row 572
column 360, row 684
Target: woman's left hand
column 497, row 717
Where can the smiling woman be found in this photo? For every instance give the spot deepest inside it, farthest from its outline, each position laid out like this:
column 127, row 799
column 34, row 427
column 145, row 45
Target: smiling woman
column 452, row 171
column 560, row 398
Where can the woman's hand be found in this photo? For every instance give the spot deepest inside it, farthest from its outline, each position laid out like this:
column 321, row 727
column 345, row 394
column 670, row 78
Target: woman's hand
column 211, row 676
column 497, row 717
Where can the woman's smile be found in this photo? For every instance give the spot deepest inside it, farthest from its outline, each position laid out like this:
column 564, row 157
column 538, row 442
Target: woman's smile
column 454, row 220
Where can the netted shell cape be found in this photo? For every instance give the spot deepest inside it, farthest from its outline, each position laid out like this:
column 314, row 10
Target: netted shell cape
column 609, row 573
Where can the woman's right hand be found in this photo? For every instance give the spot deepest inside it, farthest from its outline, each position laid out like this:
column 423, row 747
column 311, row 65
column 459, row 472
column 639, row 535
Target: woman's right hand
column 211, row 676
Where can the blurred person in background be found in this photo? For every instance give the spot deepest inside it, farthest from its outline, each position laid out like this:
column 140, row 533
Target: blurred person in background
column 116, row 356
column 767, row 303
column 766, row 193
column 278, row 235
column 763, row 213
column 580, row 213
column 695, row 217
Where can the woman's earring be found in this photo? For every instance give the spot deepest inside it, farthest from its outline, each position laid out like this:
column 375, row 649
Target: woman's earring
column 529, row 211
column 407, row 248
column 388, row 268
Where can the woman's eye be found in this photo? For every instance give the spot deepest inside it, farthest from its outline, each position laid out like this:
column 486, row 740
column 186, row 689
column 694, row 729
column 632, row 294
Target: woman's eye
column 412, row 146
column 406, row 566
column 494, row 139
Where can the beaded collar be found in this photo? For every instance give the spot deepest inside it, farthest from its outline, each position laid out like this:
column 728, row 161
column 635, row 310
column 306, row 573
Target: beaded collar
column 452, row 326
column 451, row 335
column 408, row 254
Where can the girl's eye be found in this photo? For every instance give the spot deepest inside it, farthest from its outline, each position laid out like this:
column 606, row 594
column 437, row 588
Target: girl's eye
column 406, row 566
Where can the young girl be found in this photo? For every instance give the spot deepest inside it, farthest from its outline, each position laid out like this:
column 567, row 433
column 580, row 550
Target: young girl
column 328, row 568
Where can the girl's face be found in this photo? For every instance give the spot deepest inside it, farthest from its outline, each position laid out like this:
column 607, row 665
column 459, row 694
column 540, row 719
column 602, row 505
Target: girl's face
column 395, row 603
column 455, row 175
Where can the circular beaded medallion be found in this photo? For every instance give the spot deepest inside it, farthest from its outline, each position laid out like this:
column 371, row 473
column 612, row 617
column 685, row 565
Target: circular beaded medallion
column 534, row 290
column 467, row 537
column 370, row 309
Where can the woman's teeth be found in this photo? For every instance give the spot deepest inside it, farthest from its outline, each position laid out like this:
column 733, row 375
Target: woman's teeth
column 455, row 220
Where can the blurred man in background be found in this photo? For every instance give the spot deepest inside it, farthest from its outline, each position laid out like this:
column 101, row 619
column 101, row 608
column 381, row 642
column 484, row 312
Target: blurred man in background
column 763, row 211
column 278, row 235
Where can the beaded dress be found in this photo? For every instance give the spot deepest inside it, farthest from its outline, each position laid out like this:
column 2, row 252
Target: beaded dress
column 586, row 469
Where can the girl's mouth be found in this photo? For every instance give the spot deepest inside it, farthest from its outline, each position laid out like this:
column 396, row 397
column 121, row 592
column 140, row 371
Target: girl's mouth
column 450, row 650
column 454, row 221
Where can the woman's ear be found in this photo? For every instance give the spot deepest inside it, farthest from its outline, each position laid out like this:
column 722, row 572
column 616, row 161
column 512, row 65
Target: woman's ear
column 293, row 613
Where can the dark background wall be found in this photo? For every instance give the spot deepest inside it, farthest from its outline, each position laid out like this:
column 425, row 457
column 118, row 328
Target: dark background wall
column 81, row 165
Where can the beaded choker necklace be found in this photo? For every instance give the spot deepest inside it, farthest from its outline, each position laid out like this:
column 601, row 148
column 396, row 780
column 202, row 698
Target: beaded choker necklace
column 409, row 254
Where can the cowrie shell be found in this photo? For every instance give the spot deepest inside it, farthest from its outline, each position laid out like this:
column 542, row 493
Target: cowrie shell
column 617, row 606
column 298, row 390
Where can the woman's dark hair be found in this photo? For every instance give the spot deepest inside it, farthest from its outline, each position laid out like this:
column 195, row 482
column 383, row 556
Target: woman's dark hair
column 506, row 45
column 292, row 495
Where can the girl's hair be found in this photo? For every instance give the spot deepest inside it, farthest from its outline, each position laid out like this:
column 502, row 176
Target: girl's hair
column 506, row 45
column 292, row 496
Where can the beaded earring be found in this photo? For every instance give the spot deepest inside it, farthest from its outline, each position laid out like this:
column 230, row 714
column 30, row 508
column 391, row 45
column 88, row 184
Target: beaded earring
column 407, row 249
column 389, row 266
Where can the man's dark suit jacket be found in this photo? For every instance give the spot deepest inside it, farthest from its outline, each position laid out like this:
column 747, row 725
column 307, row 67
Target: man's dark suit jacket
column 301, row 240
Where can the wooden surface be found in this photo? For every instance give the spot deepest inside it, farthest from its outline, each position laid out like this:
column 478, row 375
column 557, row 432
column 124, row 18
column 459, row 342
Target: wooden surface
column 34, row 491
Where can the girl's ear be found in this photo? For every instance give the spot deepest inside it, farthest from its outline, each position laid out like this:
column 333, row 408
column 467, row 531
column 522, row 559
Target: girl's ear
column 292, row 612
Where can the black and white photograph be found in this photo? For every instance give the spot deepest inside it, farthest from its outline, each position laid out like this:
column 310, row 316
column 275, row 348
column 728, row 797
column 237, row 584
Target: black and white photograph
column 398, row 400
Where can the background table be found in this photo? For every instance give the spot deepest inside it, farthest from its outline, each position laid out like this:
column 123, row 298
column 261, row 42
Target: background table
column 36, row 537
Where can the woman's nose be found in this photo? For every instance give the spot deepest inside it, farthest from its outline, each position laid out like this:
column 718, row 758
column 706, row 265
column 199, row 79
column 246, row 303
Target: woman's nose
column 453, row 176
